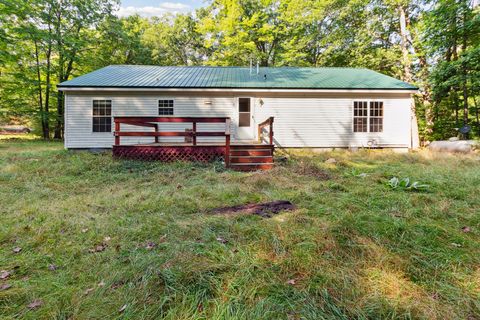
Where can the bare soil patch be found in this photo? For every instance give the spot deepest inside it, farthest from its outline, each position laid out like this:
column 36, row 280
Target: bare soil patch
column 265, row 210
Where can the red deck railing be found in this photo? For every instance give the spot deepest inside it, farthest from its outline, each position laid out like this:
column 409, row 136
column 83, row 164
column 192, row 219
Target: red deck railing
column 154, row 122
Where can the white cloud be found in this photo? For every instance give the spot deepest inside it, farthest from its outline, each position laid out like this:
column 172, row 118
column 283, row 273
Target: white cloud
column 149, row 11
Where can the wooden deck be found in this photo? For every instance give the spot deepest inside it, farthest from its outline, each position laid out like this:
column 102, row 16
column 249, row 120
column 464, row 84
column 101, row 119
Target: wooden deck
column 238, row 155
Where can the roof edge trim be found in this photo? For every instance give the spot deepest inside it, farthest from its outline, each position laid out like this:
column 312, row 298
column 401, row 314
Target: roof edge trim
column 150, row 89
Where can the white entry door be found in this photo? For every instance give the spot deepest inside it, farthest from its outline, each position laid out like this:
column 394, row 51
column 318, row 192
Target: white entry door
column 245, row 125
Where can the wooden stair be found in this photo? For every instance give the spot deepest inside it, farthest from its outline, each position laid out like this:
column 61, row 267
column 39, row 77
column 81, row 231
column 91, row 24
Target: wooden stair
column 251, row 157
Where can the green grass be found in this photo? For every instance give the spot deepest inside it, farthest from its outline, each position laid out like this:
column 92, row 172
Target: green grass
column 355, row 248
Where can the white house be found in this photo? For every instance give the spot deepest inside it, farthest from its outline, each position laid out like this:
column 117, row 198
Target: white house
column 311, row 107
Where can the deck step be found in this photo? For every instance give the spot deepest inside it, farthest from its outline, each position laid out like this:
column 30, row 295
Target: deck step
column 257, row 153
column 251, row 166
column 251, row 157
column 253, row 160
column 251, row 146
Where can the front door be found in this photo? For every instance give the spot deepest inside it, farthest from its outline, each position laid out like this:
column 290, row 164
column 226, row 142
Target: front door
column 245, row 120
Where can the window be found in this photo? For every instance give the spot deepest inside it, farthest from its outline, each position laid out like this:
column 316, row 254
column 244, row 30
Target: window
column 165, row 107
column 360, row 116
column 102, row 116
column 376, row 116
column 244, row 112
column 368, row 116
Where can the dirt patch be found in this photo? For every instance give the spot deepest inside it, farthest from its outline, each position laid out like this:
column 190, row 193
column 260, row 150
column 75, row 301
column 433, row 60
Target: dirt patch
column 311, row 170
column 262, row 209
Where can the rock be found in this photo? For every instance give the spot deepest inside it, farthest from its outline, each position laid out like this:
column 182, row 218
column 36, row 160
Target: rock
column 453, row 139
column 461, row 146
column 331, row 161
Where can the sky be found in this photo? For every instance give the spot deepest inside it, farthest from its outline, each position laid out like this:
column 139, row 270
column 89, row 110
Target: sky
column 150, row 8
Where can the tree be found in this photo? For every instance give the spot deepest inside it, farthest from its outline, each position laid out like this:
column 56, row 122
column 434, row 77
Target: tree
column 174, row 40
column 55, row 34
column 238, row 31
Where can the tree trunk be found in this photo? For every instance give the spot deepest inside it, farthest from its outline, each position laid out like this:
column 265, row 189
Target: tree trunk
column 43, row 116
column 407, row 76
column 456, row 103
column 477, row 116
column 464, row 73
column 48, row 80
column 59, row 124
column 59, row 43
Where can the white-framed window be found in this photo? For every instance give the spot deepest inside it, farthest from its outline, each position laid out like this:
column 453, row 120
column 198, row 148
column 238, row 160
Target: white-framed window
column 165, row 107
column 244, row 112
column 368, row 116
column 102, row 116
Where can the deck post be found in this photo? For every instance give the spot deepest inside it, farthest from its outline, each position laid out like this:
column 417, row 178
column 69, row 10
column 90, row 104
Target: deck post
column 194, row 133
column 271, row 131
column 117, row 129
column 227, row 142
column 156, row 130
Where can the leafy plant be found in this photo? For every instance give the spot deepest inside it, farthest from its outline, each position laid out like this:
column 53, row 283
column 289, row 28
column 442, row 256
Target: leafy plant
column 405, row 184
column 357, row 173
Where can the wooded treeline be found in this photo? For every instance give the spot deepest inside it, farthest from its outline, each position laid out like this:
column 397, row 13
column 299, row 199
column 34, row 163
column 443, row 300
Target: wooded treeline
column 433, row 44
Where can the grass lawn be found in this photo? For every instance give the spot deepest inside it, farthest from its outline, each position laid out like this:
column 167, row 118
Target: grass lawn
column 106, row 239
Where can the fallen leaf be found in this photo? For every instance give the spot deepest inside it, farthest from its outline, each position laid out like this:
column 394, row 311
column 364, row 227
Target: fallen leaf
column 35, row 304
column 222, row 240
column 4, row 274
column 52, row 267
column 98, row 248
column 17, row 249
column 84, row 230
column 150, row 245
column 456, row 245
column 291, row 282
column 86, row 292
column 5, row 286
column 101, row 284
column 117, row 285
column 106, row 239
column 122, row 308
column 466, row 229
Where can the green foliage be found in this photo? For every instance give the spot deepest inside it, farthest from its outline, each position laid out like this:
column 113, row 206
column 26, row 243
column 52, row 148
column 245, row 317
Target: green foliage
column 405, row 184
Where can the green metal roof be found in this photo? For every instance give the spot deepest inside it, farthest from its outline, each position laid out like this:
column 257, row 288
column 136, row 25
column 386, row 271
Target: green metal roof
column 133, row 76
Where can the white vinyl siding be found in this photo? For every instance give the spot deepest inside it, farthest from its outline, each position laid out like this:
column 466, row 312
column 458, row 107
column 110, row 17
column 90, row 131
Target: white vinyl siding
column 327, row 122
column 308, row 121
column 79, row 118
